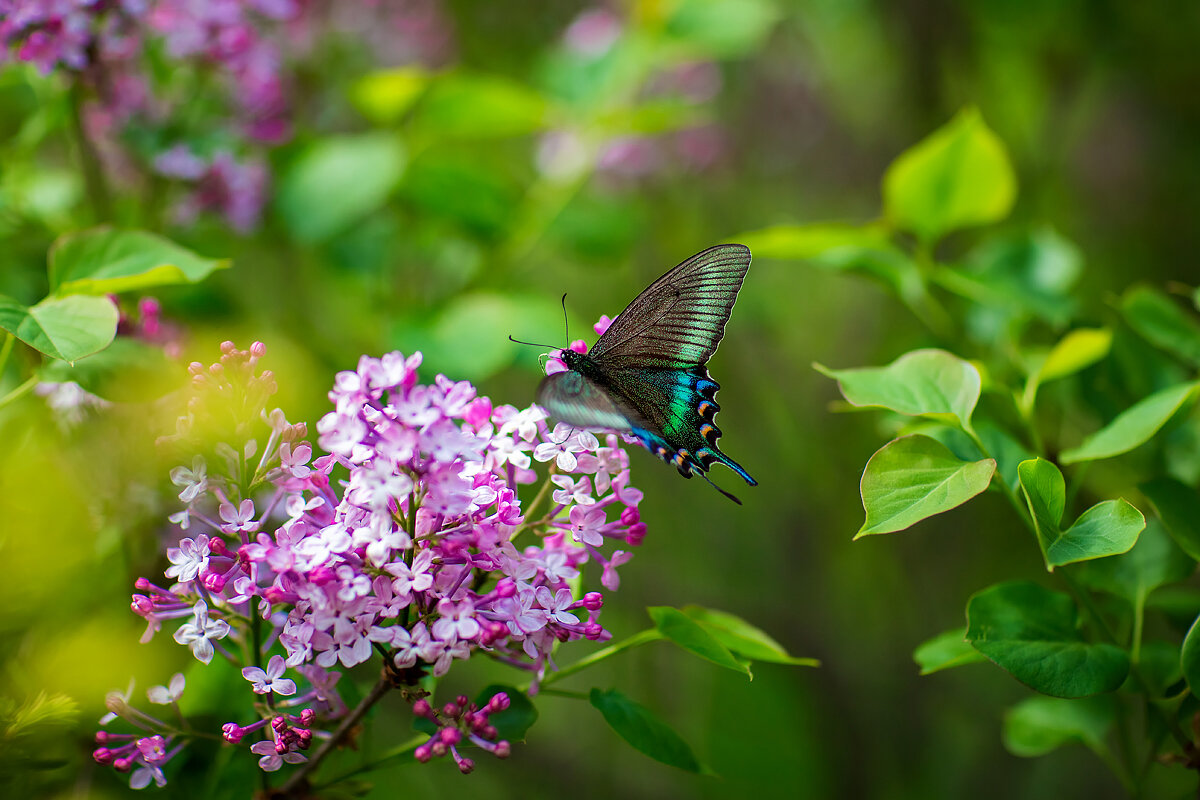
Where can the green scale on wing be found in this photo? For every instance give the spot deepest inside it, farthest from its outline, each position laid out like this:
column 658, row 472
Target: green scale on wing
column 647, row 374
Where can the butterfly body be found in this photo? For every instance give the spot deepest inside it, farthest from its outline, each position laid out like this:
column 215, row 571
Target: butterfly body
column 647, row 375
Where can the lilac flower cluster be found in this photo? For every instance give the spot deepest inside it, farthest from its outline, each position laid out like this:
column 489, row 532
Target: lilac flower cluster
column 239, row 48
column 408, row 540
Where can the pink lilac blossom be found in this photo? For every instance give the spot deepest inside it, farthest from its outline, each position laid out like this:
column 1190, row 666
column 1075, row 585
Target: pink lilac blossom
column 420, row 538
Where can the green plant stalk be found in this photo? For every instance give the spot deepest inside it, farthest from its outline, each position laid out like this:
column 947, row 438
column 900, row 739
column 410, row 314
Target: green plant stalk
column 93, row 174
column 19, row 392
column 391, row 755
column 6, row 351
column 648, row 635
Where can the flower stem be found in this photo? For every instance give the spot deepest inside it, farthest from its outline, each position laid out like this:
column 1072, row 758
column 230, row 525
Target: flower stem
column 648, row 635
column 297, row 784
column 19, row 392
column 93, row 174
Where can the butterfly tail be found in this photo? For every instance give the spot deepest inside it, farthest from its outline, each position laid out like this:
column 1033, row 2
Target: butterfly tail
column 733, row 465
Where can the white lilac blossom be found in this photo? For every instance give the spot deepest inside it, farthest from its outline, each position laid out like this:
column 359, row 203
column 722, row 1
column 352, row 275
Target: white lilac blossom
column 422, row 537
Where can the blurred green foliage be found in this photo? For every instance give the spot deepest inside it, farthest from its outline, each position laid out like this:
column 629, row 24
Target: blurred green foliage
column 442, row 209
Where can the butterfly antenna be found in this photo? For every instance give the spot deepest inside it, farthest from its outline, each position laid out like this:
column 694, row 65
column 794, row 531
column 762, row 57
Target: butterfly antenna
column 532, row 344
column 566, row 322
column 718, row 488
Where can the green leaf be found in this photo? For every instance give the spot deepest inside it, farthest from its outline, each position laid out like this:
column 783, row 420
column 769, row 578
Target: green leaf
column 68, row 327
column 930, row 383
column 386, row 95
column 513, row 722
column 108, row 261
column 1134, row 426
column 722, row 28
column 1178, row 506
column 1162, row 322
column 958, row 176
column 1032, row 633
column 915, row 477
column 1189, row 657
column 1105, row 529
column 126, row 371
column 1038, row 725
column 646, row 732
column 688, row 634
column 338, row 181
column 1077, row 350
column 946, row 650
column 744, row 639
column 465, row 106
column 805, row 242
column 1154, row 561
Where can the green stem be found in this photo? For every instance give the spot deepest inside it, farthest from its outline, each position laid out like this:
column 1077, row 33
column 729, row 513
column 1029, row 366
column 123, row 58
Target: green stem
column 19, row 392
column 648, row 635
column 394, row 753
column 93, row 174
column 1139, row 615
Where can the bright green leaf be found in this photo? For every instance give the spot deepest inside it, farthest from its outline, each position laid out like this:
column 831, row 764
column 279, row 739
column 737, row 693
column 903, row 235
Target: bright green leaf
column 1077, row 350
column 1106, row 529
column 465, row 106
column 1178, row 506
column 930, row 383
column 915, row 477
column 957, row 177
column 385, row 96
column 1154, row 561
column 744, row 639
column 1032, row 633
column 1134, row 426
column 338, row 181
column 1038, row 725
column 640, row 727
column 67, row 328
column 946, row 650
column 107, row 261
column 513, row 722
column 1162, row 322
column 688, row 634
column 128, row 370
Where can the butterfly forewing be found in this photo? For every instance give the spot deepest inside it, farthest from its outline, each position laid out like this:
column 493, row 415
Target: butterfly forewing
column 678, row 321
column 573, row 398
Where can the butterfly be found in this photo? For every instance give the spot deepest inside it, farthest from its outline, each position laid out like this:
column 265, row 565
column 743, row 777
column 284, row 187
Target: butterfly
column 647, row 375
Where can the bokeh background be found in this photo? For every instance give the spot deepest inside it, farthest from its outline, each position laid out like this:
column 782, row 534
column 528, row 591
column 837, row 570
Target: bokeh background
column 425, row 174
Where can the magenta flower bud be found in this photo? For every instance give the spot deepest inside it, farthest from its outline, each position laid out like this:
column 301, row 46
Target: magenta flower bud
column 423, row 753
column 503, row 750
column 232, row 732
column 593, row 601
column 258, row 349
column 141, row 605
column 465, row 765
column 143, row 584
column 279, row 724
column 281, row 748
column 438, row 748
column 422, row 709
column 123, row 764
column 507, row 587
column 273, row 594
column 103, row 755
column 214, row 582
column 450, row 735
column 228, row 347
column 307, row 716
column 451, row 710
column 593, row 630
column 630, row 515
column 463, row 700
column 489, row 732
column 305, row 738
column 636, row 533
column 499, row 702
column 217, row 545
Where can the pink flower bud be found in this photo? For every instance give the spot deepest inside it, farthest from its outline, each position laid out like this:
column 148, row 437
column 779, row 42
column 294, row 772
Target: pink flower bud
column 593, row 601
